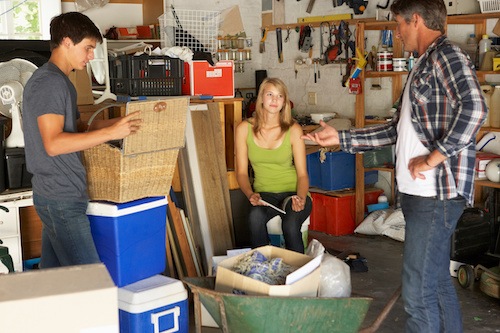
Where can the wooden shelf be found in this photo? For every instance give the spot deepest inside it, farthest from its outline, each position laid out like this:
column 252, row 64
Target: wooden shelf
column 486, row 183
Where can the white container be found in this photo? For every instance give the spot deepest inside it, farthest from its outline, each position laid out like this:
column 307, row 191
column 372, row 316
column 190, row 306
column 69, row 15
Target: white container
column 399, row 64
column 156, row 304
column 484, row 46
column 495, row 108
column 489, row 6
column 487, row 91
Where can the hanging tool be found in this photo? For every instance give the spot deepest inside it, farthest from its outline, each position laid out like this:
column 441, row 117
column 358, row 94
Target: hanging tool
column 305, row 38
column 262, row 46
column 358, row 6
column 310, row 6
column 321, row 33
column 334, row 49
column 279, row 43
column 384, row 7
column 315, row 74
column 287, row 35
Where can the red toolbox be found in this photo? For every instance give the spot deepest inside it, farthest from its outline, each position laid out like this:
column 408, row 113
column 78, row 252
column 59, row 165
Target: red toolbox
column 200, row 78
column 334, row 212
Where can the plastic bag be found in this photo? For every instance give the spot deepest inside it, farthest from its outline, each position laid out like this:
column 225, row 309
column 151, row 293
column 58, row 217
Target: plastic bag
column 83, row 5
column 335, row 276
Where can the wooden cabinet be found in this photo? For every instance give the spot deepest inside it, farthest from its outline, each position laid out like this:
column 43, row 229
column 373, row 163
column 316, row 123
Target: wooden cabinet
column 479, row 22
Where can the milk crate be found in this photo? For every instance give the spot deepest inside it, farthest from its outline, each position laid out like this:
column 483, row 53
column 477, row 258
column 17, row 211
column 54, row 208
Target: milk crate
column 146, row 75
column 489, row 6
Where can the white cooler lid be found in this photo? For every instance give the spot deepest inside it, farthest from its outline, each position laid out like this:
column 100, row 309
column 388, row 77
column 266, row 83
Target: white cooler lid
column 102, row 208
column 154, row 288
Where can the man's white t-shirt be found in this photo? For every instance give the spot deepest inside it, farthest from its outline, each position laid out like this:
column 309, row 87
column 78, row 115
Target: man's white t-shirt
column 409, row 146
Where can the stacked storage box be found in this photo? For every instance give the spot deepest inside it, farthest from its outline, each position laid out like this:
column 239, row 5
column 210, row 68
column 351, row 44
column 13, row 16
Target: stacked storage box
column 128, row 185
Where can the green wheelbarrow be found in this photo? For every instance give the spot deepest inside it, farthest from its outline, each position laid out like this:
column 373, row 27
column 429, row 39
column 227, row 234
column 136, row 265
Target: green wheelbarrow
column 257, row 314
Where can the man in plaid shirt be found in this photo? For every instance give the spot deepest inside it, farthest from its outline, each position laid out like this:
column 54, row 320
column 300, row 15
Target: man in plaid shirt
column 440, row 112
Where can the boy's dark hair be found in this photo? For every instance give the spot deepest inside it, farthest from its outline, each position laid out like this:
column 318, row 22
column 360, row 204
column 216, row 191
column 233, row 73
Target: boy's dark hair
column 432, row 11
column 74, row 25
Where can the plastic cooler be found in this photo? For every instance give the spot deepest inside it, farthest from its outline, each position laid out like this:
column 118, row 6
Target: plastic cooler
column 130, row 237
column 153, row 305
column 334, row 214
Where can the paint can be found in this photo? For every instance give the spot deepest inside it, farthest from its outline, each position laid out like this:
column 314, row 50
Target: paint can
column 384, row 61
column 399, row 64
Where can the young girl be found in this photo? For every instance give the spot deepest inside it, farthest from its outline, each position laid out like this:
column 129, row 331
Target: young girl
column 271, row 141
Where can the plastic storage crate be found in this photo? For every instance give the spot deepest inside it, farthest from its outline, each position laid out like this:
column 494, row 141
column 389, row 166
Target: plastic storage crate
column 336, row 172
column 334, row 213
column 489, row 6
column 146, row 75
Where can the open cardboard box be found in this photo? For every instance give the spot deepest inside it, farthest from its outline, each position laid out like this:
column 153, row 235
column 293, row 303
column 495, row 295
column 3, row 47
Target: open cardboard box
column 302, row 282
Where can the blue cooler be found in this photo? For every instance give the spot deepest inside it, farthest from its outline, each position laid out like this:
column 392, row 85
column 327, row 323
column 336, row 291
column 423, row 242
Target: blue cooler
column 155, row 305
column 130, row 237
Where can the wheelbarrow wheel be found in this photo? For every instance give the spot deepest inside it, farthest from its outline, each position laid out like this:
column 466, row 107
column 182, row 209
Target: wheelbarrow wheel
column 465, row 276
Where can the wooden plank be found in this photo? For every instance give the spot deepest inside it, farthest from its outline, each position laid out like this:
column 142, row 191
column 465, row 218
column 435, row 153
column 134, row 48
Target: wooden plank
column 182, row 241
column 191, row 188
column 168, row 252
column 212, row 168
column 192, row 246
column 175, row 254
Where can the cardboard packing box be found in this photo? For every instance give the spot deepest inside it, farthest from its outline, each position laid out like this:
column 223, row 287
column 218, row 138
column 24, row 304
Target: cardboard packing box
column 71, row 299
column 302, row 282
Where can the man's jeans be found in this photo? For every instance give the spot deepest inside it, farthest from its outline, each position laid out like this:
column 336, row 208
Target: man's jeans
column 66, row 236
column 428, row 292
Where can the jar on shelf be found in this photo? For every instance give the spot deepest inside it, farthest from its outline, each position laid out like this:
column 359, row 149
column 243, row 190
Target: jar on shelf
column 233, row 54
column 248, row 54
column 222, row 55
column 239, row 67
column 234, row 43
column 240, row 55
column 241, row 43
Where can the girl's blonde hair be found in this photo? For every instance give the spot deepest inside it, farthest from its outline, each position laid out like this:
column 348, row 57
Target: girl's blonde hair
column 286, row 120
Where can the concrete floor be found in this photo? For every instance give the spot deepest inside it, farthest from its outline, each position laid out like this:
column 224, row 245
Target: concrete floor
column 481, row 313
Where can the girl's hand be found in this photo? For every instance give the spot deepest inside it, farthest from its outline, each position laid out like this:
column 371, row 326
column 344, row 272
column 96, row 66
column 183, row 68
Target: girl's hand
column 298, row 203
column 254, row 199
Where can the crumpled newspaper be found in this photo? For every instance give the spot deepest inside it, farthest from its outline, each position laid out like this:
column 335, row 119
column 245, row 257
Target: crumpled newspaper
column 256, row 266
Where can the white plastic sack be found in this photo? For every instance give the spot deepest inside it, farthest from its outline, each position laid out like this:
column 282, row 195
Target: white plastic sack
column 335, row 276
column 386, row 222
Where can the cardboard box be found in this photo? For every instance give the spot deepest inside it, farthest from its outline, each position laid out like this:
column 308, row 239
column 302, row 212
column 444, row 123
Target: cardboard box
column 200, row 78
column 482, row 160
column 81, row 81
column 71, row 299
column 130, row 237
column 228, row 281
column 155, row 304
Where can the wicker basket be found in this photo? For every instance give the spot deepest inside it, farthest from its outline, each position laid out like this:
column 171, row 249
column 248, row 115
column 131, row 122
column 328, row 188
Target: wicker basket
column 144, row 165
